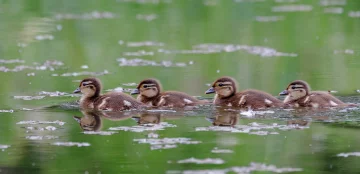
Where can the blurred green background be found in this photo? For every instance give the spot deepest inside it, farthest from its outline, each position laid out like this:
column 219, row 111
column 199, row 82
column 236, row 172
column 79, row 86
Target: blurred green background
column 264, row 44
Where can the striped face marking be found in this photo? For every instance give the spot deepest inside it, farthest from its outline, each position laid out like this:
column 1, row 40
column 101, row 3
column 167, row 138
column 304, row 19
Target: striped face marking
column 224, row 89
column 149, row 90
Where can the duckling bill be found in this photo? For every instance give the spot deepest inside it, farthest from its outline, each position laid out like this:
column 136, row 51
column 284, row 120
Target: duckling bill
column 112, row 101
column 226, row 95
column 150, row 93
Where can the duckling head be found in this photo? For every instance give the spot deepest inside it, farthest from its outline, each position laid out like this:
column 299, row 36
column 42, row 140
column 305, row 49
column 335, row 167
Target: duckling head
column 223, row 87
column 296, row 90
column 89, row 87
column 148, row 88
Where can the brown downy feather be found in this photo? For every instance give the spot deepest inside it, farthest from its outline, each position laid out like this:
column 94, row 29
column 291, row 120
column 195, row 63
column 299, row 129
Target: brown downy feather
column 150, row 93
column 299, row 94
column 226, row 95
column 112, row 101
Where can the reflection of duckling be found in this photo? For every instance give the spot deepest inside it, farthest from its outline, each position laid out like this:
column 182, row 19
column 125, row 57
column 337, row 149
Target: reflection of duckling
column 113, row 101
column 149, row 91
column 226, row 95
column 298, row 122
column 224, row 120
column 90, row 121
column 298, row 94
column 148, row 118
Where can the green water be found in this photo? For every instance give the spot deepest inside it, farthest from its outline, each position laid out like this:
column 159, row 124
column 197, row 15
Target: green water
column 200, row 40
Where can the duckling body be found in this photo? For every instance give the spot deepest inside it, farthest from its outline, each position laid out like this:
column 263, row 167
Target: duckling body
column 226, row 95
column 112, row 101
column 149, row 91
column 298, row 94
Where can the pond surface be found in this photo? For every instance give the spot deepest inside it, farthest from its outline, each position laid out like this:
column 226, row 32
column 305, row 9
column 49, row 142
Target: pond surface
column 47, row 47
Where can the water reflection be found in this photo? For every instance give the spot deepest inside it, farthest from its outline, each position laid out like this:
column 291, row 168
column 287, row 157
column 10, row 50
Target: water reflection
column 91, row 121
column 224, row 118
column 147, row 118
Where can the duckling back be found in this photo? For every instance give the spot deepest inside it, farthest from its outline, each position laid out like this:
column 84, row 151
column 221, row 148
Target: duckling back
column 251, row 98
column 116, row 101
column 177, row 99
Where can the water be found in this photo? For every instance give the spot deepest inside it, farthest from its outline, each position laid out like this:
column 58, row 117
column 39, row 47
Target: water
column 47, row 47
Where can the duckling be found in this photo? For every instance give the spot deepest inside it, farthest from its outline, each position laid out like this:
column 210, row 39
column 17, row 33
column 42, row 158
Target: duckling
column 226, row 95
column 149, row 91
column 298, row 94
column 112, row 101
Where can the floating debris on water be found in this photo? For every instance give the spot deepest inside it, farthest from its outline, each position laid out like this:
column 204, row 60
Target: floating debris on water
column 332, row 2
column 10, row 61
column 358, row 90
column 39, row 137
column 59, row 27
column 217, row 150
column 44, row 37
column 166, row 146
column 47, row 65
column 27, row 109
column 292, row 8
column 30, row 74
column 3, row 146
column 269, row 18
column 42, row 122
column 346, row 51
column 143, row 62
column 143, row 127
column 251, row 113
column 334, row 10
column 153, row 135
column 202, row 161
column 53, row 94
column 100, row 132
column 84, row 67
column 130, row 84
column 83, row 73
column 143, row 44
column 119, row 89
column 252, row 128
column 146, row 17
column 7, row 111
column 165, row 143
column 188, row 51
column 354, row 14
column 161, row 110
column 86, row 16
column 29, row 97
column 49, row 128
column 253, row 167
column 139, row 53
column 256, row 50
column 348, row 154
column 71, row 144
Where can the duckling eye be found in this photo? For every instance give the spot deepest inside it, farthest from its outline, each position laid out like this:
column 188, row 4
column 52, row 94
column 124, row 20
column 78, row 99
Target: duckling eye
column 293, row 87
column 221, row 84
column 145, row 86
